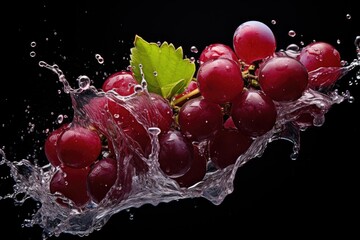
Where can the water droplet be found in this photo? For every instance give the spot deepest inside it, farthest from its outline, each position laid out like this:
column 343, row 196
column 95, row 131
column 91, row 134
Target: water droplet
column 154, row 131
column 194, row 49
column 32, row 54
column 84, row 82
column 351, row 99
column 138, row 88
column 273, row 22
column 60, row 118
column 293, row 47
column 99, row 58
column 302, row 43
column 292, row 33
column 338, row 41
column 348, row 16
column 33, row 44
column 357, row 42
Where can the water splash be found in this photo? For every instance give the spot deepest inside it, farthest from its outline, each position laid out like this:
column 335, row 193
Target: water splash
column 152, row 186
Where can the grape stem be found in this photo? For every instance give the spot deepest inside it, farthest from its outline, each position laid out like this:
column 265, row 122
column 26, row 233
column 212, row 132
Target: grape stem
column 250, row 77
column 186, row 97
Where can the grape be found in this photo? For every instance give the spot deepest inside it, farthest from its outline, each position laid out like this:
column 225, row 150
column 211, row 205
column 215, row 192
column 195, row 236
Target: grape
column 197, row 169
column 50, row 145
column 283, row 78
column 176, row 153
column 253, row 112
column 165, row 117
column 199, row 118
column 227, row 145
column 122, row 82
column 71, row 183
column 217, row 50
column 220, row 80
column 317, row 55
column 137, row 134
column 96, row 109
column 253, row 41
column 78, row 147
column 101, row 178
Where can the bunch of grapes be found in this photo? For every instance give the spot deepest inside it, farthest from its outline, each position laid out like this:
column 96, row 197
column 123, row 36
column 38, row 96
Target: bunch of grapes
column 233, row 100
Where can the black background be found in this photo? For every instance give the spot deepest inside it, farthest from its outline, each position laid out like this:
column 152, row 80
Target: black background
column 315, row 194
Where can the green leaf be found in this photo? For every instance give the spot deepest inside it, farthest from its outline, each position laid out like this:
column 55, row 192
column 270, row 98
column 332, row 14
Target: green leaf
column 165, row 69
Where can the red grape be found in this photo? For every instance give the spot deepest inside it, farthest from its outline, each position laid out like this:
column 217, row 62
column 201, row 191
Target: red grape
column 71, row 183
column 101, row 178
column 78, row 147
column 164, row 118
column 283, row 78
column 200, row 118
column 253, row 112
column 227, row 145
column 197, row 170
column 50, row 145
column 253, row 41
column 319, row 54
column 122, row 82
column 135, row 131
column 217, row 50
column 220, row 80
column 176, row 153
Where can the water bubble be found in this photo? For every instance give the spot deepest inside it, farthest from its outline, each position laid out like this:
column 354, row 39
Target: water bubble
column 292, row 33
column 32, row 54
column 84, row 82
column 348, row 16
column 33, row 44
column 338, row 41
column 99, row 58
column 302, row 43
column 194, row 49
column 273, row 22
column 155, row 73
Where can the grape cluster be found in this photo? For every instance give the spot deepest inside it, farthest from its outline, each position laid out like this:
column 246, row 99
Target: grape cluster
column 232, row 100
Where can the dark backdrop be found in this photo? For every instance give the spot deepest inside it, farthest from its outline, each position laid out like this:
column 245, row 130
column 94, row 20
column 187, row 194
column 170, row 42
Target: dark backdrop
column 317, row 193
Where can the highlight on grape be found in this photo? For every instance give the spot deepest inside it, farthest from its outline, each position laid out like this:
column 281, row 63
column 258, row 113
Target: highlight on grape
column 164, row 130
